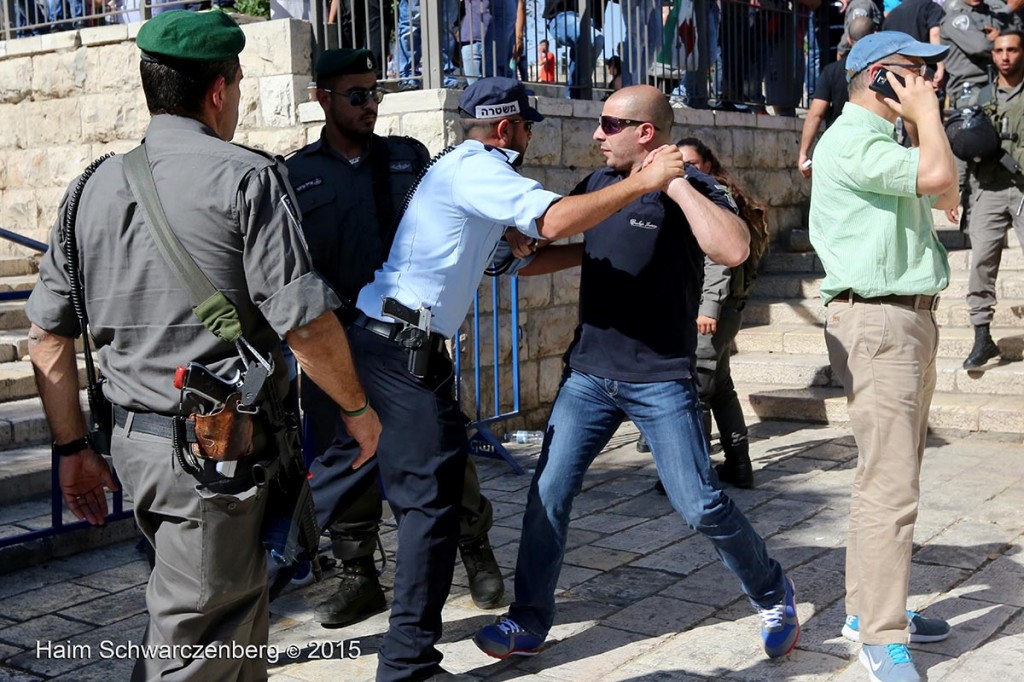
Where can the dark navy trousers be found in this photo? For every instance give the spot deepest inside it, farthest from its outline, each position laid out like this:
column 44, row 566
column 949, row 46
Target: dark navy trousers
column 422, row 461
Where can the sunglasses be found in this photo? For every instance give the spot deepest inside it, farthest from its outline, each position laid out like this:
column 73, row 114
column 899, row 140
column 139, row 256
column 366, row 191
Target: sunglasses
column 919, row 69
column 526, row 124
column 612, row 125
column 358, row 97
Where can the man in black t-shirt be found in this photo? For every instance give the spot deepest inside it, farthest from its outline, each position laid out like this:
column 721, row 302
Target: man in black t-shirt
column 921, row 19
column 636, row 362
column 830, row 95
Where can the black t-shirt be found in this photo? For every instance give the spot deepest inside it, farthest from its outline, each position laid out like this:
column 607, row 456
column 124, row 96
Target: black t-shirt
column 640, row 287
column 914, row 17
column 832, row 88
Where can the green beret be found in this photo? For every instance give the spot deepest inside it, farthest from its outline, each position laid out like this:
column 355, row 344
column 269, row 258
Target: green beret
column 193, row 36
column 344, row 61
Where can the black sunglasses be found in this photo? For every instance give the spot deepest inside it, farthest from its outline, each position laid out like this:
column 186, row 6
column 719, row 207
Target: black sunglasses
column 526, row 124
column 358, row 97
column 612, row 125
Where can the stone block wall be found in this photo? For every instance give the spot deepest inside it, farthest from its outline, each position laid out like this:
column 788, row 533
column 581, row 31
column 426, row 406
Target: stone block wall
column 67, row 98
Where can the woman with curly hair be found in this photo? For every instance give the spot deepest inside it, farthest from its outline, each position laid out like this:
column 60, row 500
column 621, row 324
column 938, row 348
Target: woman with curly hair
column 721, row 310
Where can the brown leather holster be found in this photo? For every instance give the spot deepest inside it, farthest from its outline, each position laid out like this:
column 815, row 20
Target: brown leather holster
column 227, row 434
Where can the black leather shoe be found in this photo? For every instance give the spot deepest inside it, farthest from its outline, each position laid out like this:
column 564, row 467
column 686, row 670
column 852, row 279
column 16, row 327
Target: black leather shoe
column 736, row 473
column 984, row 350
column 486, row 585
column 358, row 596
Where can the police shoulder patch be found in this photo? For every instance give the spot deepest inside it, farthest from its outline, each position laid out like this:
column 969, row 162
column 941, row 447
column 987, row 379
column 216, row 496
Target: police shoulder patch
column 309, row 184
column 962, row 22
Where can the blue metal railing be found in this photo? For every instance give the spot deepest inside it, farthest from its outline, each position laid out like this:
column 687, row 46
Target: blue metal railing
column 57, row 524
column 484, row 442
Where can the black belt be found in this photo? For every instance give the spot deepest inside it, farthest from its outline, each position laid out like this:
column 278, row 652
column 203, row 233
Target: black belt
column 152, row 423
column 391, row 330
column 918, row 302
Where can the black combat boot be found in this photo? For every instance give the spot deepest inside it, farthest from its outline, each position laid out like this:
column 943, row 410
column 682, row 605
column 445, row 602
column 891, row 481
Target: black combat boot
column 486, row 585
column 358, row 595
column 984, row 348
column 736, row 470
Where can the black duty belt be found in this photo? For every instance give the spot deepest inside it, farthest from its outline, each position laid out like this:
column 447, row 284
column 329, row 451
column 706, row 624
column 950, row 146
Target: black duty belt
column 391, row 330
column 918, row 302
column 151, row 423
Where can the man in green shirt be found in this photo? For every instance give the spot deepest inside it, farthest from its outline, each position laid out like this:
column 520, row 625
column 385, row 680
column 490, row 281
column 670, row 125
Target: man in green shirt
column 871, row 226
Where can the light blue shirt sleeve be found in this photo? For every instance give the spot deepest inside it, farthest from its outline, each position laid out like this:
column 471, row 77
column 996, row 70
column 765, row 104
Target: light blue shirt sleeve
column 490, row 189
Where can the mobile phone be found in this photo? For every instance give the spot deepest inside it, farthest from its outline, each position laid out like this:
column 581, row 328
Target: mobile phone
column 881, row 84
column 806, row 164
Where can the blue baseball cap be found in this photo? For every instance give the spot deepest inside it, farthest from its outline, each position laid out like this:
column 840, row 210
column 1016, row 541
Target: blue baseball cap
column 497, row 98
column 871, row 48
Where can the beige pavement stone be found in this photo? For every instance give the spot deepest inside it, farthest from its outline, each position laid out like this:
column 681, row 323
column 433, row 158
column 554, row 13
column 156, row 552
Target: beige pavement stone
column 51, row 628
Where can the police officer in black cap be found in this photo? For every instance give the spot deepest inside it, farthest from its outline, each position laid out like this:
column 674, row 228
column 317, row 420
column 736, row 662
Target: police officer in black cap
column 233, row 212
column 350, row 183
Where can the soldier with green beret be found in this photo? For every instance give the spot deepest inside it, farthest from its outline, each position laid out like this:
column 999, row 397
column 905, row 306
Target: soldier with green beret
column 233, row 211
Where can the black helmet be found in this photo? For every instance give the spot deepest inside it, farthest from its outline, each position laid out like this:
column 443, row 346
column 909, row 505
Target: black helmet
column 972, row 136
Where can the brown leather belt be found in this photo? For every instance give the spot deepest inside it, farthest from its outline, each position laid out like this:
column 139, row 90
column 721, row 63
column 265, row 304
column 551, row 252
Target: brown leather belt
column 918, row 302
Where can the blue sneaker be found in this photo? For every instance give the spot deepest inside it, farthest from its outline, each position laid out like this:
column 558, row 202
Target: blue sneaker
column 921, row 629
column 889, row 663
column 505, row 638
column 780, row 626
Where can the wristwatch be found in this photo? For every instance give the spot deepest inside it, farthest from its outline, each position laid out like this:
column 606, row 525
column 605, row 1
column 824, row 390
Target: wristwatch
column 72, row 448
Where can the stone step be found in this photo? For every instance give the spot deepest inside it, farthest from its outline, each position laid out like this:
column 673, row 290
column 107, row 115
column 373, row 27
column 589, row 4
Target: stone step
column 24, row 473
column 959, row 261
column 12, row 315
column 22, row 423
column 952, row 312
column 954, row 342
column 16, row 266
column 953, row 414
column 808, row 286
column 814, row 370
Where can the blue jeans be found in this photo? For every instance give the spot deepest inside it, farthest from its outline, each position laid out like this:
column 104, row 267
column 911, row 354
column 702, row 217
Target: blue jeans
column 587, row 411
column 409, row 39
column 688, row 84
column 564, row 29
column 642, row 41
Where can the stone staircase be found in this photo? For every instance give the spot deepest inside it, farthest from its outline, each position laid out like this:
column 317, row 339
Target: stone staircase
column 782, row 370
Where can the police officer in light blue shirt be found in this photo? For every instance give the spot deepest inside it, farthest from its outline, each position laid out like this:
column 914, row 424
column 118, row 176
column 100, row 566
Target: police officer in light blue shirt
column 445, row 239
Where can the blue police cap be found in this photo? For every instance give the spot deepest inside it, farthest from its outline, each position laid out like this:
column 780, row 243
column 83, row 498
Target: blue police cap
column 870, row 49
column 497, row 98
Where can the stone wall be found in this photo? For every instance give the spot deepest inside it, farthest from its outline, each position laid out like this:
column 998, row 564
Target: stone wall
column 67, row 98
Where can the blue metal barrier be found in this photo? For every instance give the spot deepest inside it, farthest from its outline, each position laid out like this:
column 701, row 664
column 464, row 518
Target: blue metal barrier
column 57, row 525
column 484, row 442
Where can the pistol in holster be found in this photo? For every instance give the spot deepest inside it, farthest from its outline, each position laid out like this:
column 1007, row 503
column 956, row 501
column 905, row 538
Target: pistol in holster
column 415, row 335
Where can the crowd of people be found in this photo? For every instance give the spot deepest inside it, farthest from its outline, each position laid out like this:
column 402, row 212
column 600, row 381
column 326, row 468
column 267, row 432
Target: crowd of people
column 362, row 254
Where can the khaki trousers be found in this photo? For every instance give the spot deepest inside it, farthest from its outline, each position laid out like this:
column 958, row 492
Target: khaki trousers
column 885, row 356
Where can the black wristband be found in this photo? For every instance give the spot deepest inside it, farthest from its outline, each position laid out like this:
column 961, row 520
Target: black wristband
column 72, row 448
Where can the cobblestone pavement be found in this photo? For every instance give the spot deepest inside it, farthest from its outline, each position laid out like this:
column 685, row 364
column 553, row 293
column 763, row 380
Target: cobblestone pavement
column 642, row 597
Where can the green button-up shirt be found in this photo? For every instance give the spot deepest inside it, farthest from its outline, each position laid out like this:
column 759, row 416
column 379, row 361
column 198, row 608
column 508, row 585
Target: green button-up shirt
column 870, row 229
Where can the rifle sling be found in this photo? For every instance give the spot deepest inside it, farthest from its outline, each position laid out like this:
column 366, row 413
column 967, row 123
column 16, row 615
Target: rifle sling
column 211, row 306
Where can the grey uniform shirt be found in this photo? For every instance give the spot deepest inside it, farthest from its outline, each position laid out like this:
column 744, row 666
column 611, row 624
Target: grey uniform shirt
column 233, row 212
column 970, row 51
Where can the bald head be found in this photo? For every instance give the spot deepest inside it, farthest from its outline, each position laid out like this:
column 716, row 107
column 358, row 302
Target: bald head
column 645, row 103
column 860, row 27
